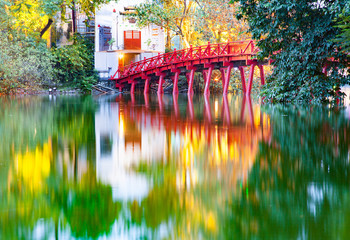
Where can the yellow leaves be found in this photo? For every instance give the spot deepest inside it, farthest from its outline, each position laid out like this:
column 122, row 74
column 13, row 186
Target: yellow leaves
column 210, row 222
column 34, row 167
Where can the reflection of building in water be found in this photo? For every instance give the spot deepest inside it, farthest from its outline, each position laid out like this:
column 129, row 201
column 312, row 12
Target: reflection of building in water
column 220, row 146
column 122, row 145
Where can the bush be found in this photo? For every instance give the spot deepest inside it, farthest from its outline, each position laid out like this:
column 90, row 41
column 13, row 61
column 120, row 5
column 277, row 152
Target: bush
column 23, row 63
column 74, row 64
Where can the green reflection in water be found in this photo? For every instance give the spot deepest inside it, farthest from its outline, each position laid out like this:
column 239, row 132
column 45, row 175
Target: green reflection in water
column 215, row 168
column 49, row 187
column 299, row 185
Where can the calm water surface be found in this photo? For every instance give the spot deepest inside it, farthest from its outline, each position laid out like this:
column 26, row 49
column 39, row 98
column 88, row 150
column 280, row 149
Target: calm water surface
column 149, row 167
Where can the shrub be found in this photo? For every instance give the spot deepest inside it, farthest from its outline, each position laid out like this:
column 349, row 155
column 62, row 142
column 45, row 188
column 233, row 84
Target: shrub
column 23, row 63
column 74, row 64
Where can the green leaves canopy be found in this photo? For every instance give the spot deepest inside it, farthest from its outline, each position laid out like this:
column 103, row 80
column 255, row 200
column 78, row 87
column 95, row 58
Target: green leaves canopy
column 298, row 35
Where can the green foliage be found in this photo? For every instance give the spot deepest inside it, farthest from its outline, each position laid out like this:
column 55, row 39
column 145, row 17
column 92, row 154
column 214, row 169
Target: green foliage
column 344, row 24
column 74, row 64
column 23, row 63
column 297, row 36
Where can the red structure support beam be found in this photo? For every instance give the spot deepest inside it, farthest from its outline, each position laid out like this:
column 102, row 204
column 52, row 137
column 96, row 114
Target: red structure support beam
column 225, row 76
column 160, row 83
column 251, row 76
column 241, row 69
column 175, row 82
column 262, row 74
column 132, row 90
column 190, row 78
column 207, row 80
column 146, row 88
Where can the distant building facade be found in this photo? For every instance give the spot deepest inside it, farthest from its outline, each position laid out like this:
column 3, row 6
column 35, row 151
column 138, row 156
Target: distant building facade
column 119, row 41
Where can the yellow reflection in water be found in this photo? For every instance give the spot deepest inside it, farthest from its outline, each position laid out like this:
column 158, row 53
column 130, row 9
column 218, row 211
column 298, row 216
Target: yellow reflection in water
column 121, row 124
column 34, row 166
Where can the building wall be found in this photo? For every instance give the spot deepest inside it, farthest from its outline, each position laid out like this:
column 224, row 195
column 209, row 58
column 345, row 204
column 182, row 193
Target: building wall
column 108, row 15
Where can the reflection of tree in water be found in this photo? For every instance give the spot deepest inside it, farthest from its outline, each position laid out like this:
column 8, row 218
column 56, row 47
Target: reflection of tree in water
column 89, row 207
column 43, row 184
column 298, row 187
column 162, row 203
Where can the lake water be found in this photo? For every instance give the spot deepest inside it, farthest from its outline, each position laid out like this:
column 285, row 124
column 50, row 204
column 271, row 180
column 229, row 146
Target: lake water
column 159, row 167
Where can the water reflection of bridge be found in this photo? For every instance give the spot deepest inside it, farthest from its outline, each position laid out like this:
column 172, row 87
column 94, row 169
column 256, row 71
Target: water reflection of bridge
column 214, row 134
column 241, row 128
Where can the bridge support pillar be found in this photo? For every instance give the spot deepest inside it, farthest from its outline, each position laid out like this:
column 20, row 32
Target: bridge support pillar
column 132, row 89
column 241, row 70
column 175, row 82
column 262, row 74
column 251, row 76
column 190, row 78
column 207, row 78
column 146, row 88
column 225, row 76
column 160, row 83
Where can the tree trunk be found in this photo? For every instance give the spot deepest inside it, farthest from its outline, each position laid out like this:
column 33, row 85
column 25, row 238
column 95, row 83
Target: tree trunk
column 74, row 26
column 49, row 23
column 168, row 39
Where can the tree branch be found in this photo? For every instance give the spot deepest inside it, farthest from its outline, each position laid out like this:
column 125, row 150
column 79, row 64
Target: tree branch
column 49, row 22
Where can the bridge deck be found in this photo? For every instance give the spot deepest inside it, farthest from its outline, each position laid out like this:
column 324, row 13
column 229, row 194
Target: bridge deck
column 205, row 59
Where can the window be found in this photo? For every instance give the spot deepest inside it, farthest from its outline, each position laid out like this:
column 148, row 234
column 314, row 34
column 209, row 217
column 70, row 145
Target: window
column 136, row 35
column 128, row 35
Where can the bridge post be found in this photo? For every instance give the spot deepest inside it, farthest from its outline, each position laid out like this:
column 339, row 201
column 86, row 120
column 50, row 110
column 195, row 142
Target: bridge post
column 160, row 83
column 132, row 89
column 262, row 74
column 190, row 77
column 241, row 69
column 251, row 76
column 176, row 80
column 146, row 88
column 225, row 76
column 207, row 80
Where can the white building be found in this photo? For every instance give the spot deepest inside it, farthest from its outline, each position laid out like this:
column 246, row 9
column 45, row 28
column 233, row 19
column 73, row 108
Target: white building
column 118, row 40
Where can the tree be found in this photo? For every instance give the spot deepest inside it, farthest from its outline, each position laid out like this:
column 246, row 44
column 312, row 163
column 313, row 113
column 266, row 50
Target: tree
column 344, row 23
column 174, row 16
column 297, row 36
column 216, row 23
column 37, row 16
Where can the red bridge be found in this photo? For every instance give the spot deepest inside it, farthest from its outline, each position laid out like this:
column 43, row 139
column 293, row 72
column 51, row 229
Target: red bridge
column 222, row 56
